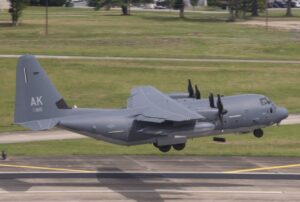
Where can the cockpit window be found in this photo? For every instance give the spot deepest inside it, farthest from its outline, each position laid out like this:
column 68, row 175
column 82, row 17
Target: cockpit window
column 264, row 101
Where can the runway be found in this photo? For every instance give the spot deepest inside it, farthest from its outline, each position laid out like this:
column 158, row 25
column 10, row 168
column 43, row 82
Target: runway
column 149, row 178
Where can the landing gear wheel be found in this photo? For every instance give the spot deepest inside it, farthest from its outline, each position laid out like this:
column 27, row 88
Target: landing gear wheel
column 258, row 133
column 165, row 148
column 179, row 147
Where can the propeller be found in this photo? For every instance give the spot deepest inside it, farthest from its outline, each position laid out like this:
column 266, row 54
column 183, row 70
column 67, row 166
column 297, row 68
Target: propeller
column 220, row 105
column 211, row 101
column 190, row 89
column 197, row 93
column 221, row 110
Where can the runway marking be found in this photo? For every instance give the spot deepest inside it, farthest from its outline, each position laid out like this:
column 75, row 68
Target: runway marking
column 43, row 168
column 263, row 168
column 146, row 191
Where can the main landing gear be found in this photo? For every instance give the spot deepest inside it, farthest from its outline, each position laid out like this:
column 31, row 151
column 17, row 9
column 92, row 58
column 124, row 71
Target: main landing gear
column 166, row 148
column 258, row 133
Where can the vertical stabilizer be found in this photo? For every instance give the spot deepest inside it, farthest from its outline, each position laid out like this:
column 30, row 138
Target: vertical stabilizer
column 37, row 100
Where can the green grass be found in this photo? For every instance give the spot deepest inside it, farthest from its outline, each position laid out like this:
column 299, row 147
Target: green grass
column 147, row 34
column 278, row 141
column 107, row 84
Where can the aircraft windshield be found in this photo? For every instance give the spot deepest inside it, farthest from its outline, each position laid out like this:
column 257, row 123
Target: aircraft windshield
column 265, row 101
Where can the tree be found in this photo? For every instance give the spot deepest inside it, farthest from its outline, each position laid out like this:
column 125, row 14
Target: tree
column 15, row 10
column 124, row 4
column 289, row 8
column 53, row 2
column 179, row 5
column 254, row 9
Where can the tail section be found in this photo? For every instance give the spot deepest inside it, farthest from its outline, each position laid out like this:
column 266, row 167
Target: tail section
column 38, row 103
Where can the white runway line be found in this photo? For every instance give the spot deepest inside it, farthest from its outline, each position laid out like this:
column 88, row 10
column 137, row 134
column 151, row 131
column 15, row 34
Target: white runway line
column 158, row 59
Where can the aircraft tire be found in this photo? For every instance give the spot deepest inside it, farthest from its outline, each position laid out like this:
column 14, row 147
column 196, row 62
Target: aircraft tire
column 179, row 147
column 165, row 148
column 258, row 133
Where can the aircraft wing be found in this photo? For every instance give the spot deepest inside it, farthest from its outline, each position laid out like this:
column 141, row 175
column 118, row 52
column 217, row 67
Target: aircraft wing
column 157, row 107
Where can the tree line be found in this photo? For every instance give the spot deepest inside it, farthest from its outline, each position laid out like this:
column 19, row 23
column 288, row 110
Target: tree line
column 237, row 8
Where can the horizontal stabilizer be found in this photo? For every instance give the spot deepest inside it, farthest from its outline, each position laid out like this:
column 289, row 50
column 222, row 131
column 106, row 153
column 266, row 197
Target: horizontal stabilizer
column 45, row 124
column 158, row 107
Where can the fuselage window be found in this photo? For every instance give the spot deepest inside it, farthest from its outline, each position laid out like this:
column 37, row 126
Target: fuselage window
column 264, row 101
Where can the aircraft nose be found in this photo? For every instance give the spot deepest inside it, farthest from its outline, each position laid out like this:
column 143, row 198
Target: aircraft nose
column 282, row 113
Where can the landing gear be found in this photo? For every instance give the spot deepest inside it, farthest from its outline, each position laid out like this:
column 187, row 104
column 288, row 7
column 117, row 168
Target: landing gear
column 164, row 148
column 258, row 133
column 179, row 147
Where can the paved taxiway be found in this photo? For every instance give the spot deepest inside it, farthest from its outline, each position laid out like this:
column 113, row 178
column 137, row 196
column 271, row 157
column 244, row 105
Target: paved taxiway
column 223, row 60
column 149, row 178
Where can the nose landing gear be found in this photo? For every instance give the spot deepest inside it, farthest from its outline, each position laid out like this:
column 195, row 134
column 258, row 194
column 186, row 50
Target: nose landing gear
column 258, row 133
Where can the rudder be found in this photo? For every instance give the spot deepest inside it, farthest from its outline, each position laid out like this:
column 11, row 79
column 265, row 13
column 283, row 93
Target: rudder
column 38, row 102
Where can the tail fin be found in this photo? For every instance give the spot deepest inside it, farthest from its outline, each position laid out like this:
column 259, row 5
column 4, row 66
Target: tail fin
column 38, row 103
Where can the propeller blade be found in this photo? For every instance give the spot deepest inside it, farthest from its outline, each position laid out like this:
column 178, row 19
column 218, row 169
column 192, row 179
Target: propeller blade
column 211, row 101
column 220, row 109
column 220, row 104
column 197, row 93
column 190, row 89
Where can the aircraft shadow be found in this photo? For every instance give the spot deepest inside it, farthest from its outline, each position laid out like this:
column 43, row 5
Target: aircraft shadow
column 131, row 186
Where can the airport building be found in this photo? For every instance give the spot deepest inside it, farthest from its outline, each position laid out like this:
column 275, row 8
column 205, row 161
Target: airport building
column 4, row 4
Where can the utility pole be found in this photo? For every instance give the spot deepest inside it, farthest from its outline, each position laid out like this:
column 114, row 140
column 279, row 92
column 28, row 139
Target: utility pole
column 267, row 16
column 46, row 18
column 3, row 155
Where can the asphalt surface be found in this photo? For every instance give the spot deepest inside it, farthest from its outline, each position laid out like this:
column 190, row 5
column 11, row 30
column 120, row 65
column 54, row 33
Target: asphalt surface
column 149, row 178
column 32, row 136
column 158, row 59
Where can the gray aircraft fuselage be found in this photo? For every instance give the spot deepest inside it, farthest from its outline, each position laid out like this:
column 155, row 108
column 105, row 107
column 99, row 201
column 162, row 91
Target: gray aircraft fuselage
column 246, row 113
column 150, row 117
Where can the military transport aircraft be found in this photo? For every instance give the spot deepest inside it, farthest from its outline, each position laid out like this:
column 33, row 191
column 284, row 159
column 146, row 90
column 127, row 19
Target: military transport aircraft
column 164, row 120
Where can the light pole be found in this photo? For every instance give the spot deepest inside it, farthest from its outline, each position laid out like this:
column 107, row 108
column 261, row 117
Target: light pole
column 267, row 16
column 46, row 17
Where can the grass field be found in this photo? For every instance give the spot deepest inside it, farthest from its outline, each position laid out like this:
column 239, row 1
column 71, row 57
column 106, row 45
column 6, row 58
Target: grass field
column 148, row 34
column 278, row 141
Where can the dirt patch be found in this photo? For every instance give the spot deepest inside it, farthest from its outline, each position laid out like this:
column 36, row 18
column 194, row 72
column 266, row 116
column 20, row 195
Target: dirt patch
column 282, row 25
